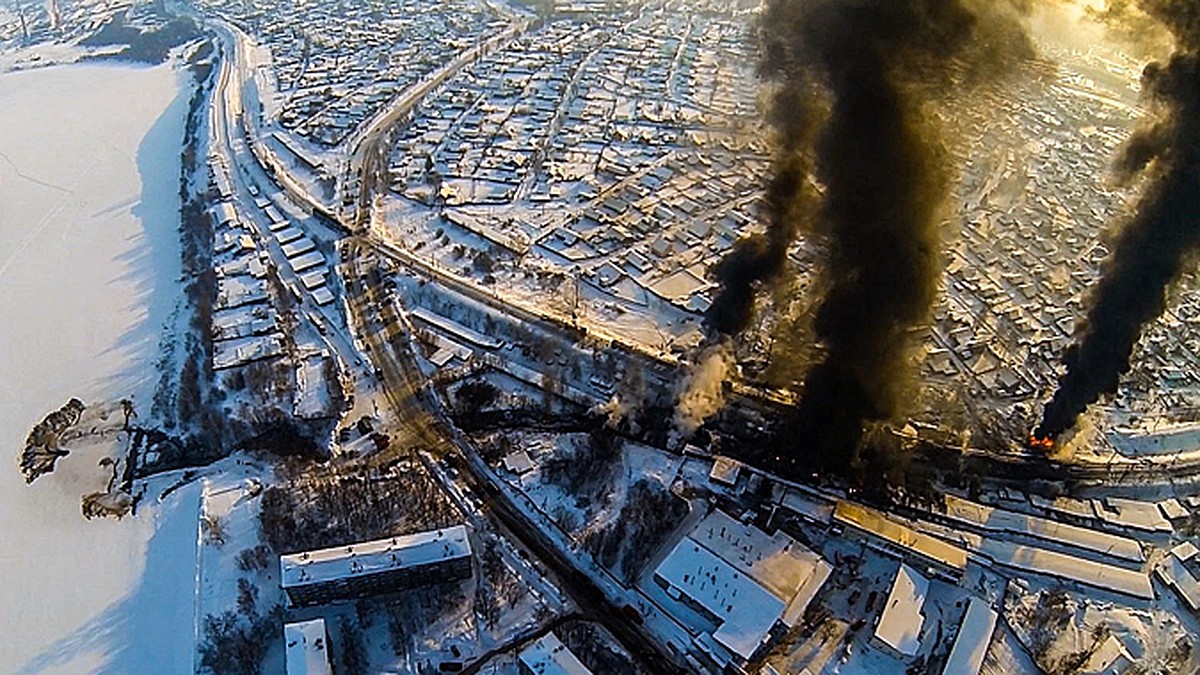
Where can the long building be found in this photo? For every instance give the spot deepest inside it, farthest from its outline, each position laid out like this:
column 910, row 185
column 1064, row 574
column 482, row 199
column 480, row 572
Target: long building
column 971, row 643
column 380, row 566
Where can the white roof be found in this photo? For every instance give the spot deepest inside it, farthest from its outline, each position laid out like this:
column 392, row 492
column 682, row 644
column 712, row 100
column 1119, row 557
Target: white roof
column 1065, row 505
column 1172, row 509
column 323, row 296
column 725, row 470
column 1185, row 550
column 456, row 329
column 1001, row 520
column 971, row 643
column 746, row 610
column 1110, row 657
column 340, row 562
column 778, row 563
column 307, row 648
column 878, row 524
column 306, row 261
column 1173, row 571
column 900, row 623
column 1133, row 513
column 810, row 507
column 298, row 247
column 549, row 656
column 1042, row 561
column 288, row 235
column 518, row 462
column 313, row 279
column 746, row 578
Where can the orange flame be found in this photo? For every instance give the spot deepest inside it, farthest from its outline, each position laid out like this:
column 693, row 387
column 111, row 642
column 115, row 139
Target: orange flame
column 1044, row 444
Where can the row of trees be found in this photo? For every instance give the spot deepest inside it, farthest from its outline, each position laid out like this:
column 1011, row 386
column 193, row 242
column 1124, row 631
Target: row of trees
column 649, row 514
column 341, row 509
column 235, row 642
column 586, row 470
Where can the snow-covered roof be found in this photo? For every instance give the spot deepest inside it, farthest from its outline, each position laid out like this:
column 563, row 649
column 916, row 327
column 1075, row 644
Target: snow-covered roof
column 549, row 656
column 1133, row 513
column 780, row 564
column 971, row 643
column 235, row 352
column 225, row 212
column 288, row 235
column 1110, row 657
column 1043, row 561
column 746, row 610
column 747, row 579
column 810, row 507
column 900, row 623
column 340, row 562
column 518, row 462
column 307, row 648
column 298, row 247
column 876, row 523
column 456, row 329
column 323, row 296
column 314, row 279
column 1001, row 520
column 1172, row 509
column 307, row 261
column 1175, row 574
column 725, row 470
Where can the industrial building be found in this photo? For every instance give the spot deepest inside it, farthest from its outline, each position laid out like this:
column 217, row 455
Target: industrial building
column 971, row 643
column 899, row 626
column 753, row 585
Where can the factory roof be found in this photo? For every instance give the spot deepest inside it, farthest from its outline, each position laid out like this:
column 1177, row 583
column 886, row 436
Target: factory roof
column 971, row 643
column 875, row 523
column 745, row 610
column 900, row 623
column 746, row 578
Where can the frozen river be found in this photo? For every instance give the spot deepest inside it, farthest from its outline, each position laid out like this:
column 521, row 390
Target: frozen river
column 89, row 275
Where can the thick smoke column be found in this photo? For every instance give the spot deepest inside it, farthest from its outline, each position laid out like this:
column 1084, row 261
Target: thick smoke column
column 790, row 199
column 852, row 77
column 1149, row 252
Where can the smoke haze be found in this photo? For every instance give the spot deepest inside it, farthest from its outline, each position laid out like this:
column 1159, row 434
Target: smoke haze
column 1149, row 253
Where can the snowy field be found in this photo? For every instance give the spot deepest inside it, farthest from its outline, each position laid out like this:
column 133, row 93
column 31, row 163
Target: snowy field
column 89, row 267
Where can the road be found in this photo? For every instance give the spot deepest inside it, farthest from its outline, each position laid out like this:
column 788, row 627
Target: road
column 369, row 157
column 381, row 327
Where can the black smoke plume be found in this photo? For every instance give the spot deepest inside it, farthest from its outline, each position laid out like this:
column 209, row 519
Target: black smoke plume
column 853, row 79
column 1150, row 252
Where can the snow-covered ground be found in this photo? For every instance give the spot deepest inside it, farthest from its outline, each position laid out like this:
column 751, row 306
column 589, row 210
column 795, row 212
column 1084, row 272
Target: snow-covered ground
column 89, row 268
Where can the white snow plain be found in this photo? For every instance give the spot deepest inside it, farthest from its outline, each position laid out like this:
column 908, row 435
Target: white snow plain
column 89, row 275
